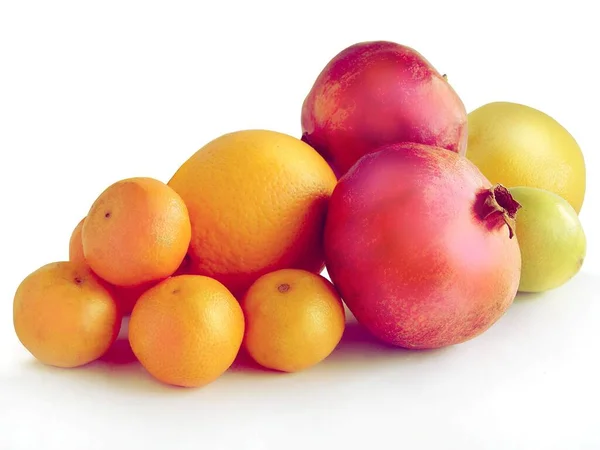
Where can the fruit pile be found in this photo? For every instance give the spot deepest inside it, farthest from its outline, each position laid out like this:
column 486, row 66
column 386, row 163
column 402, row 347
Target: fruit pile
column 429, row 221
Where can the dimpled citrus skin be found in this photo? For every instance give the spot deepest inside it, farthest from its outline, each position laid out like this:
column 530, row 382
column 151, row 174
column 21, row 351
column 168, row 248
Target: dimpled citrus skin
column 64, row 316
column 257, row 202
column 551, row 238
column 125, row 296
column 137, row 231
column 517, row 145
column 76, row 245
column 294, row 320
column 186, row 330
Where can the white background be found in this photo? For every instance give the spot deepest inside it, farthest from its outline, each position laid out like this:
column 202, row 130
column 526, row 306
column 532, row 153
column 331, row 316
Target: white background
column 92, row 94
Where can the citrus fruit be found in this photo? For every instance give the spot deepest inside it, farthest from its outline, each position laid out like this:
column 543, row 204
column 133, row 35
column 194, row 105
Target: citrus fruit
column 294, row 319
column 517, row 145
column 125, row 296
column 257, row 202
column 76, row 244
column 64, row 315
column 137, row 231
column 551, row 238
column 186, row 330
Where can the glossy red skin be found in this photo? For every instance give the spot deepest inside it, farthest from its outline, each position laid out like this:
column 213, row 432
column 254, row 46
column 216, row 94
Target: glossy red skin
column 411, row 257
column 378, row 93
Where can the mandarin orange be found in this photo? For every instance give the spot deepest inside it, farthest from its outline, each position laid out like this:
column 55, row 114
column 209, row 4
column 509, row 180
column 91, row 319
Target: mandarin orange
column 294, row 319
column 64, row 315
column 186, row 330
column 137, row 231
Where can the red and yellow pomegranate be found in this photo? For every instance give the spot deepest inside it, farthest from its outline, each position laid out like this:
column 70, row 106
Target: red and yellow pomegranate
column 378, row 93
column 421, row 246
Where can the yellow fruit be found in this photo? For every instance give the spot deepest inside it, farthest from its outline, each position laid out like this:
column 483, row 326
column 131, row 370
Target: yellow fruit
column 186, row 330
column 64, row 316
column 551, row 239
column 257, row 202
column 517, row 145
column 294, row 319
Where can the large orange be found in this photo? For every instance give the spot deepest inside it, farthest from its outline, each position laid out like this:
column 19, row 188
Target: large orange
column 257, row 202
column 64, row 315
column 187, row 330
column 294, row 319
column 136, row 232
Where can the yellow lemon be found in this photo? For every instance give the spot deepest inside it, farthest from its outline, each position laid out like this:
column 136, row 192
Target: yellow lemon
column 517, row 145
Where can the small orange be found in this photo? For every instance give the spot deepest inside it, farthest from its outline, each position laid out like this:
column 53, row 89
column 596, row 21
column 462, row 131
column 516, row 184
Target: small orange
column 137, row 231
column 64, row 315
column 76, row 244
column 186, row 330
column 257, row 201
column 294, row 319
column 126, row 296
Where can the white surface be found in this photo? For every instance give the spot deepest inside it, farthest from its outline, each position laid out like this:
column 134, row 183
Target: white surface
column 530, row 382
column 92, row 94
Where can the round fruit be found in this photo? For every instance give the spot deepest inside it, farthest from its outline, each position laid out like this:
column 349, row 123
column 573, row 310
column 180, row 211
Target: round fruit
column 186, row 330
column 551, row 238
column 294, row 319
column 137, row 231
column 377, row 93
column 125, row 296
column 76, row 244
column 517, row 145
column 64, row 316
column 257, row 202
column 420, row 246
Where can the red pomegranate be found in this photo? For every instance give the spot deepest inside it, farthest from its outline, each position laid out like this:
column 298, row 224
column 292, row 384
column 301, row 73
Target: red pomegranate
column 421, row 246
column 378, row 93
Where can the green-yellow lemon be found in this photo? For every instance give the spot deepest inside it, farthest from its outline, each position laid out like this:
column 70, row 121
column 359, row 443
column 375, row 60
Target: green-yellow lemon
column 551, row 239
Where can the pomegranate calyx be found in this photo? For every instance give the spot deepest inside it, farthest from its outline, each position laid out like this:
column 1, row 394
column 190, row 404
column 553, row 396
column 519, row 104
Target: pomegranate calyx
column 498, row 202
